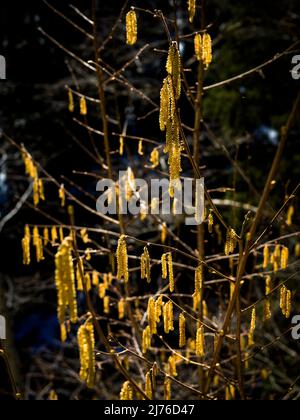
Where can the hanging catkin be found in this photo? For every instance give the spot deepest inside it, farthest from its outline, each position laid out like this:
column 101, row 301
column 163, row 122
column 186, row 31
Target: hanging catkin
column 86, row 343
column 164, row 266
column 286, row 301
column 203, row 49
column 170, row 93
column 252, row 328
column 152, row 318
column 182, row 332
column 284, row 259
column 231, row 242
column 146, row 266
column 168, row 317
column 171, row 273
column 131, row 28
column 126, row 393
column 38, row 243
column 199, row 279
column 62, row 195
column 192, row 9
column 83, row 106
column 65, row 282
column 26, row 246
column 290, row 214
column 164, row 233
column 146, row 342
column 200, row 342
column 168, row 389
column 149, row 387
column 122, row 259
column 266, row 257
column 154, row 158
column 121, row 309
column 71, row 101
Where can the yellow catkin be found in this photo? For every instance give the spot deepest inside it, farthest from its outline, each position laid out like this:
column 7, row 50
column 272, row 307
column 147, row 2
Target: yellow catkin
column 126, row 393
column 65, row 282
column 164, row 266
column 38, row 243
column 284, row 259
column 200, row 342
column 86, row 343
column 121, row 146
column 121, row 309
column 41, row 190
column 149, row 387
column 266, row 257
column 231, row 242
column 95, row 279
column 53, row 396
column 172, row 366
column 205, row 309
column 141, row 148
column 286, row 301
column 267, row 310
column 26, row 246
column 146, row 266
column 54, row 235
column 159, row 304
column 63, row 333
column 297, row 250
column 203, row 49
column 83, row 106
column 164, row 233
column 230, row 393
column 122, row 260
column 168, row 313
column 182, row 331
column 154, row 158
column 171, row 273
column 61, row 234
column 192, row 9
column 290, row 214
column 152, row 318
column 71, row 101
column 131, row 28
column 168, row 389
column 210, row 223
column 146, row 342
column 84, row 236
column 251, row 341
column 196, row 301
column 269, row 286
column 62, row 195
column 199, row 279
column 106, row 305
column 170, row 93
column 46, row 236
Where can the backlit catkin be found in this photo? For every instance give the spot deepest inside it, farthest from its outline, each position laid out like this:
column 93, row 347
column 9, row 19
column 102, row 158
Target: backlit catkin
column 122, row 259
column 170, row 93
column 26, row 246
column 65, row 282
column 172, row 365
column 168, row 389
column 290, row 214
column 182, row 331
column 200, row 342
column 131, row 28
column 146, row 266
column 171, row 273
column 62, row 195
column 284, row 259
column 164, row 266
column 126, row 393
column 203, row 49
column 83, row 106
column 164, row 233
column 252, row 328
column 266, row 257
column 231, row 242
column 71, row 101
column 121, row 309
column 199, row 279
column 168, row 313
column 152, row 318
column 86, row 343
column 149, row 387
column 192, row 9
column 286, row 301
column 154, row 158
column 38, row 243
column 146, row 342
